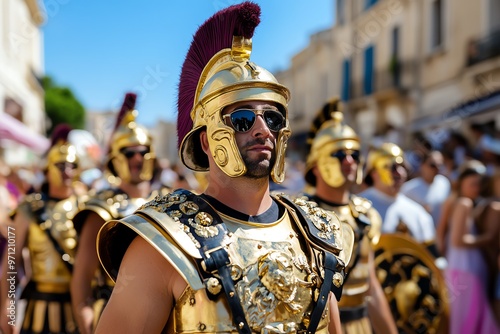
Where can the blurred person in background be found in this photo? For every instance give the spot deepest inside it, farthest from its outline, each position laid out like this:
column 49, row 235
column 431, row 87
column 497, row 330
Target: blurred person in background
column 430, row 189
column 42, row 223
column 130, row 169
column 486, row 216
column 416, row 154
column 408, row 265
column 385, row 173
column 457, row 146
column 333, row 165
column 467, row 271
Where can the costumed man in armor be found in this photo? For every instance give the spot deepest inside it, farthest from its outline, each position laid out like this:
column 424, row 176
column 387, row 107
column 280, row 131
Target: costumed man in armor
column 407, row 263
column 233, row 259
column 332, row 167
column 42, row 223
column 130, row 168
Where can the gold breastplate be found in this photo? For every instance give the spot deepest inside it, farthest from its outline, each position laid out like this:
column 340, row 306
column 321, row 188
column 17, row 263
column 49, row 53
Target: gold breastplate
column 274, row 267
column 49, row 271
column 274, row 284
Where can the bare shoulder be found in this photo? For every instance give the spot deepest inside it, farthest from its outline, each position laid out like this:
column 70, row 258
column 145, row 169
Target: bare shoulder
column 145, row 278
column 495, row 206
column 464, row 203
column 142, row 259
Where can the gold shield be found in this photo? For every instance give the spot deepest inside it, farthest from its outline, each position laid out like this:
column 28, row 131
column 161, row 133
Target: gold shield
column 414, row 287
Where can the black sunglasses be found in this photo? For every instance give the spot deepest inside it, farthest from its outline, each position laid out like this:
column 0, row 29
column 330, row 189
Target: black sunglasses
column 62, row 166
column 243, row 120
column 342, row 154
column 129, row 153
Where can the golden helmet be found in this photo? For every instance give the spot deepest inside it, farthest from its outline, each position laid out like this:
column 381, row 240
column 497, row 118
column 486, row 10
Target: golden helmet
column 128, row 133
column 381, row 159
column 216, row 73
column 61, row 151
column 327, row 136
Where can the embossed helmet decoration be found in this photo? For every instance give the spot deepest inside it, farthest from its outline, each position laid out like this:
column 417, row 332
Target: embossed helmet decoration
column 127, row 133
column 216, row 73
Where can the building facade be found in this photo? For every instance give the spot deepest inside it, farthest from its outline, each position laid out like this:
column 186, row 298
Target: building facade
column 21, row 94
column 401, row 67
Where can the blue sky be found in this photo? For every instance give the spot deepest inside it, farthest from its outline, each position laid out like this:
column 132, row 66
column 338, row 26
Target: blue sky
column 102, row 49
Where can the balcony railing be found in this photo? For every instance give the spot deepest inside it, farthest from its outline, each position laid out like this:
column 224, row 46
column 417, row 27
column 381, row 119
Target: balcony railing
column 481, row 49
column 397, row 76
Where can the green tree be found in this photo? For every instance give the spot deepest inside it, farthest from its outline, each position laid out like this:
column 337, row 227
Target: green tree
column 61, row 106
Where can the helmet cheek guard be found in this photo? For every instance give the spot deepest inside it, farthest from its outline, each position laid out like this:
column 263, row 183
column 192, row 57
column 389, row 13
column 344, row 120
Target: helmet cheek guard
column 278, row 171
column 224, row 149
column 330, row 170
column 120, row 167
column 383, row 168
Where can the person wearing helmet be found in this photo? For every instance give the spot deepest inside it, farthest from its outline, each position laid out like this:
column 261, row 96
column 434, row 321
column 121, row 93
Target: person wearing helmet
column 234, row 259
column 129, row 168
column 386, row 172
column 42, row 223
column 333, row 166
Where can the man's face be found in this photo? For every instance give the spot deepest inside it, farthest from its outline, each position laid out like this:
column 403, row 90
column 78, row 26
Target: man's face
column 62, row 173
column 135, row 158
column 349, row 161
column 431, row 167
column 389, row 177
column 255, row 140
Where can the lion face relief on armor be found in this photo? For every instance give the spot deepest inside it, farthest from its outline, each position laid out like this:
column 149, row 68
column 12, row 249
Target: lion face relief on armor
column 272, row 291
column 276, row 274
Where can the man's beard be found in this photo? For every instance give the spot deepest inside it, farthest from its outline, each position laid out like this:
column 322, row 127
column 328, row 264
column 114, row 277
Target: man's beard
column 258, row 168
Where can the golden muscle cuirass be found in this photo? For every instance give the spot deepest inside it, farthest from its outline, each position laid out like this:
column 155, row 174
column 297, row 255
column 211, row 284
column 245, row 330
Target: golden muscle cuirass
column 49, row 271
column 356, row 287
column 275, row 289
column 273, row 266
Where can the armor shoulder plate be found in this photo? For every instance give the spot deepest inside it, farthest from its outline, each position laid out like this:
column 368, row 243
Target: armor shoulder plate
column 323, row 230
column 103, row 204
column 32, row 205
column 156, row 222
column 362, row 206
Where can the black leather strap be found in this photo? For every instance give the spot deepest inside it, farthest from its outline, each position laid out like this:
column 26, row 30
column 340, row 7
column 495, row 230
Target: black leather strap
column 330, row 267
column 353, row 313
column 218, row 260
column 215, row 257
